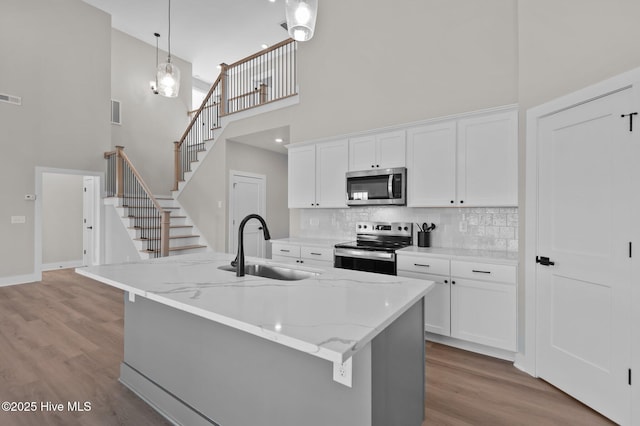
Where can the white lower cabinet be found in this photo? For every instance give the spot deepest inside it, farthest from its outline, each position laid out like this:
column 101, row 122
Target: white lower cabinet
column 471, row 301
column 302, row 254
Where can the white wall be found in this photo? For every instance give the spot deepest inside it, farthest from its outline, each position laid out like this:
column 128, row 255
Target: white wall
column 150, row 123
column 62, row 215
column 118, row 247
column 246, row 158
column 56, row 56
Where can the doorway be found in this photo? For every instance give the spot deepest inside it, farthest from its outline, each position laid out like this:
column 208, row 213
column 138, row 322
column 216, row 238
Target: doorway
column 247, row 195
column 580, row 229
column 67, row 219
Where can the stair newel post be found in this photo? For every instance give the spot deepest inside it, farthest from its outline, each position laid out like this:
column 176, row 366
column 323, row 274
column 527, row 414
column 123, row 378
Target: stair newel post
column 223, row 88
column 119, row 172
column 177, row 165
column 164, row 233
column 263, row 93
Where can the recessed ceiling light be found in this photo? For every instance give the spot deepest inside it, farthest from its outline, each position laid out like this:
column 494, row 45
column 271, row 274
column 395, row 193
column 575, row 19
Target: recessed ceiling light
column 264, row 46
column 279, row 140
column 272, row 1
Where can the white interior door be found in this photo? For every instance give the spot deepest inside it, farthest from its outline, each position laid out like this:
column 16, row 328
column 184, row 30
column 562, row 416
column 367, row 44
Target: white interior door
column 584, row 225
column 89, row 221
column 247, row 195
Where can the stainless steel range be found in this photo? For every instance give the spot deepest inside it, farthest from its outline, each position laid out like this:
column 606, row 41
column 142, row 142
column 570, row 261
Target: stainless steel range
column 375, row 247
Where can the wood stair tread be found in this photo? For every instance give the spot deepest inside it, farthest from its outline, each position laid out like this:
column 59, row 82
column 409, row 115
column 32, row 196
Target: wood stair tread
column 152, row 217
column 175, row 237
column 194, row 246
column 157, row 227
column 150, row 207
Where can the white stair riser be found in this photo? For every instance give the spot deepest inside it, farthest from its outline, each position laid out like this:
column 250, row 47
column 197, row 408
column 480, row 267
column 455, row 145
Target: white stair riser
column 173, row 232
column 189, row 251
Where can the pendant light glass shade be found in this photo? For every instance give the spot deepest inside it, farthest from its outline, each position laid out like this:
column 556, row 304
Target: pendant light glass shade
column 168, row 80
column 301, row 18
column 168, row 74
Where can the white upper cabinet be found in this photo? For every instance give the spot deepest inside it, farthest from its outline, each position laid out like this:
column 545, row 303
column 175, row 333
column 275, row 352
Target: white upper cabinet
column 317, row 175
column 488, row 160
column 471, row 161
column 331, row 168
column 380, row 150
column 302, row 177
column 431, row 164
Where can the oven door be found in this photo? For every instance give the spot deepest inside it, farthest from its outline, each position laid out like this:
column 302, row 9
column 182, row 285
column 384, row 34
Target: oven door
column 365, row 260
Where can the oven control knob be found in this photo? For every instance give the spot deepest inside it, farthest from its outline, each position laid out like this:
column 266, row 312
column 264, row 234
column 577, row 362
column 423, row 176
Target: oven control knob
column 406, row 228
column 365, row 226
column 399, row 228
column 359, row 226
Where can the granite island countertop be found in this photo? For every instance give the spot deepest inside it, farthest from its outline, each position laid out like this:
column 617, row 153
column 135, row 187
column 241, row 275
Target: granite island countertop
column 331, row 315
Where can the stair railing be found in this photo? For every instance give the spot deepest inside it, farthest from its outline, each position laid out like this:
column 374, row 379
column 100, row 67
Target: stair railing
column 264, row 77
column 150, row 219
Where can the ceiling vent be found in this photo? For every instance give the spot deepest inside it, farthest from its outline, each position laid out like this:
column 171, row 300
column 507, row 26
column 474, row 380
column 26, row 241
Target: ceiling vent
column 15, row 100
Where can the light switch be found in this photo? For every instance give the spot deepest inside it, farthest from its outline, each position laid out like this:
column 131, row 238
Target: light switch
column 18, row 219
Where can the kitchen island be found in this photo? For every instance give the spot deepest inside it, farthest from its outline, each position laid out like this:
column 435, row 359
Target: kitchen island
column 205, row 347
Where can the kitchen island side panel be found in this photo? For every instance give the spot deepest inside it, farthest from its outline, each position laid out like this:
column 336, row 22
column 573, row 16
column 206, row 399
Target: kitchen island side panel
column 398, row 371
column 233, row 378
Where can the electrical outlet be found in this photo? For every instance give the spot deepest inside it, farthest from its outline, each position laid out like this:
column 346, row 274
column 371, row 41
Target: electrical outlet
column 342, row 372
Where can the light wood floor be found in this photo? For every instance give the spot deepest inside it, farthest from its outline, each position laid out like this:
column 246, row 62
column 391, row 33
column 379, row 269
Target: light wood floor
column 61, row 340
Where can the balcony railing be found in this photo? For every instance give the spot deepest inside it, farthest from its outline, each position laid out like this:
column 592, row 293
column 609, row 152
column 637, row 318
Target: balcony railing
column 256, row 80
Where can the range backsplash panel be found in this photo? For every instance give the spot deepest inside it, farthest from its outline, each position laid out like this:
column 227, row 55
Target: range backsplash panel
column 482, row 228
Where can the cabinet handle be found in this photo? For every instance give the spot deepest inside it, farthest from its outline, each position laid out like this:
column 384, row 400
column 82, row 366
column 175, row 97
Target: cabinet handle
column 480, row 272
column 420, row 264
column 316, row 254
column 285, row 251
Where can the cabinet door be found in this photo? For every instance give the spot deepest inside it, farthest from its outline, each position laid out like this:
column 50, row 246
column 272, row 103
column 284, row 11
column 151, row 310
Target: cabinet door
column 390, row 150
column 488, row 160
column 331, row 166
column 302, row 177
column 437, row 302
column 484, row 312
column 362, row 153
column 431, row 165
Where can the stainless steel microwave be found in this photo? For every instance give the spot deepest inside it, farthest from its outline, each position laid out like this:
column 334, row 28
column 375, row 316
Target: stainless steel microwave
column 377, row 187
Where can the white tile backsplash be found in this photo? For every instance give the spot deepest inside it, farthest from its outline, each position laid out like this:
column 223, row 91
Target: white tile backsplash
column 472, row 228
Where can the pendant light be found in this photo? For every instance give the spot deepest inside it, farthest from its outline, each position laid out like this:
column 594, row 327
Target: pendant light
column 168, row 75
column 301, row 18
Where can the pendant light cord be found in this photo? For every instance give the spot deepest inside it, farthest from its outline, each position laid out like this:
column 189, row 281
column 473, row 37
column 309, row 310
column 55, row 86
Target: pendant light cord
column 169, row 58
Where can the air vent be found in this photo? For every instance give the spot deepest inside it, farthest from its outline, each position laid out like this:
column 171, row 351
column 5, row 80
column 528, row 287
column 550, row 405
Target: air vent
column 115, row 112
column 285, row 26
column 15, row 100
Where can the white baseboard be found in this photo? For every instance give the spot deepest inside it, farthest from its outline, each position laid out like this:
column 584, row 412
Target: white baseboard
column 470, row 346
column 19, row 279
column 62, row 265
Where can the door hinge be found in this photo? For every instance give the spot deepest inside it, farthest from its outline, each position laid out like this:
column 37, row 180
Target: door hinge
column 629, row 377
column 630, row 115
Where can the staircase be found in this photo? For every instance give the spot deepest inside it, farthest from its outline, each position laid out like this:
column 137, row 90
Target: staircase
column 158, row 225
column 139, row 222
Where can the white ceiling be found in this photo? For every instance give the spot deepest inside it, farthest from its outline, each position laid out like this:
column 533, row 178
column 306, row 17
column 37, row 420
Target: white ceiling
column 203, row 32
column 266, row 139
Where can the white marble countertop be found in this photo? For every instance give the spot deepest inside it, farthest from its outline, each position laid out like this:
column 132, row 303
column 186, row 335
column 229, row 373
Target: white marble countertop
column 472, row 255
column 331, row 315
column 310, row 242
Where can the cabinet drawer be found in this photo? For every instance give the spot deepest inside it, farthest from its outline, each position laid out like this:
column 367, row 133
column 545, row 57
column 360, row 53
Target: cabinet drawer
column 422, row 264
column 317, row 253
column 288, row 250
column 484, row 271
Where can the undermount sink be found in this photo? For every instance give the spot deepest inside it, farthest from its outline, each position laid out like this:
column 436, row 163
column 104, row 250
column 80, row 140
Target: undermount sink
column 273, row 272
